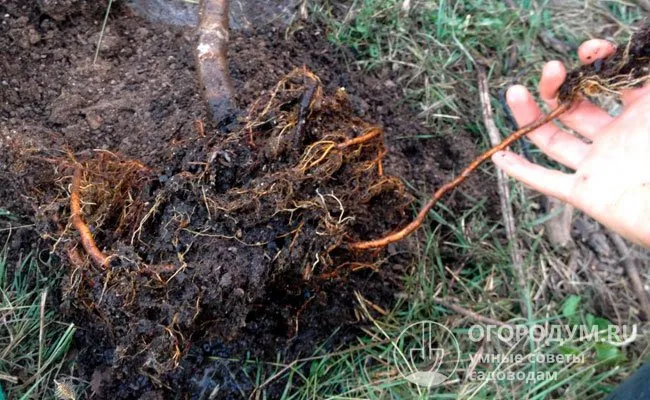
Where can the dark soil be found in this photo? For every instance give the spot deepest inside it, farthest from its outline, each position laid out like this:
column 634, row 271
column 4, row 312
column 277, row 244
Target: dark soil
column 202, row 264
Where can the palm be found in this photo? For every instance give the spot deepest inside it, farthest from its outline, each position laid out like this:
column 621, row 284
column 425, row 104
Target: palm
column 612, row 184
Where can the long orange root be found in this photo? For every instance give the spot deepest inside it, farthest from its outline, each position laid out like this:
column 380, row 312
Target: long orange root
column 421, row 217
column 87, row 241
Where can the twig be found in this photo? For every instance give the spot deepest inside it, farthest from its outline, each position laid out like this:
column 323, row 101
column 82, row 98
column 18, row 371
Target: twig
column 212, row 63
column 305, row 105
column 504, row 192
column 421, row 217
column 470, row 314
column 41, row 330
column 632, row 273
column 8, row 378
column 87, row 240
column 101, row 33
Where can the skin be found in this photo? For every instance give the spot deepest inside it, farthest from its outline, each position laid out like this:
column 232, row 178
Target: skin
column 611, row 159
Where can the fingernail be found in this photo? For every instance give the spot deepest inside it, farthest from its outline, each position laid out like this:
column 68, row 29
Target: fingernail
column 516, row 93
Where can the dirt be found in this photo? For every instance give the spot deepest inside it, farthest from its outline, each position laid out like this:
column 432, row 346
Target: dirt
column 203, row 264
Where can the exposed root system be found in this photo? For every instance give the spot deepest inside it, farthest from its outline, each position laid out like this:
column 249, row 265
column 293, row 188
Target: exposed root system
column 271, row 201
column 108, row 188
column 301, row 162
column 319, row 166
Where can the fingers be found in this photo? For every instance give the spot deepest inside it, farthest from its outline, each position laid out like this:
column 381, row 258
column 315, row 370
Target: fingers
column 585, row 118
column 547, row 181
column 553, row 141
column 595, row 49
column 553, row 75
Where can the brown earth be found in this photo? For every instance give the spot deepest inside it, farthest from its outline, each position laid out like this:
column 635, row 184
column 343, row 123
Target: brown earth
column 202, row 265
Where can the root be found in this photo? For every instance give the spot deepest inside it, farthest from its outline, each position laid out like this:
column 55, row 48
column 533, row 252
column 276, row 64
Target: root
column 366, row 137
column 87, row 241
column 624, row 69
column 421, row 217
column 315, row 154
column 109, row 188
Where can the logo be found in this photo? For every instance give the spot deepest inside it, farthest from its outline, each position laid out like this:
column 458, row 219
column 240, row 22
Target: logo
column 426, row 353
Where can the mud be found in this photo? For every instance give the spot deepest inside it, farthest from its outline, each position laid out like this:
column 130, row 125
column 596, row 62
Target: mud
column 204, row 262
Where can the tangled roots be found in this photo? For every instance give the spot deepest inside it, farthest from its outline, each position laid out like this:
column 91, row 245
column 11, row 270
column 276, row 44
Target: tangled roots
column 303, row 171
column 185, row 254
column 105, row 194
column 311, row 166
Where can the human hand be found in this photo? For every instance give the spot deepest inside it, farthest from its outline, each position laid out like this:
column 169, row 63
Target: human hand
column 611, row 182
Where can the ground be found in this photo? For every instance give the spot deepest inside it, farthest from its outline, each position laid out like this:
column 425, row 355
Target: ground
column 231, row 318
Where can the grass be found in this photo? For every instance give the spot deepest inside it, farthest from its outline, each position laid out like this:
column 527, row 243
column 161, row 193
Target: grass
column 33, row 343
column 367, row 370
column 102, row 31
column 431, row 48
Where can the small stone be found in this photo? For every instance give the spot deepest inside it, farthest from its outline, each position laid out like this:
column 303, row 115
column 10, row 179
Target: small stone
column 33, row 36
column 94, row 121
column 226, row 280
